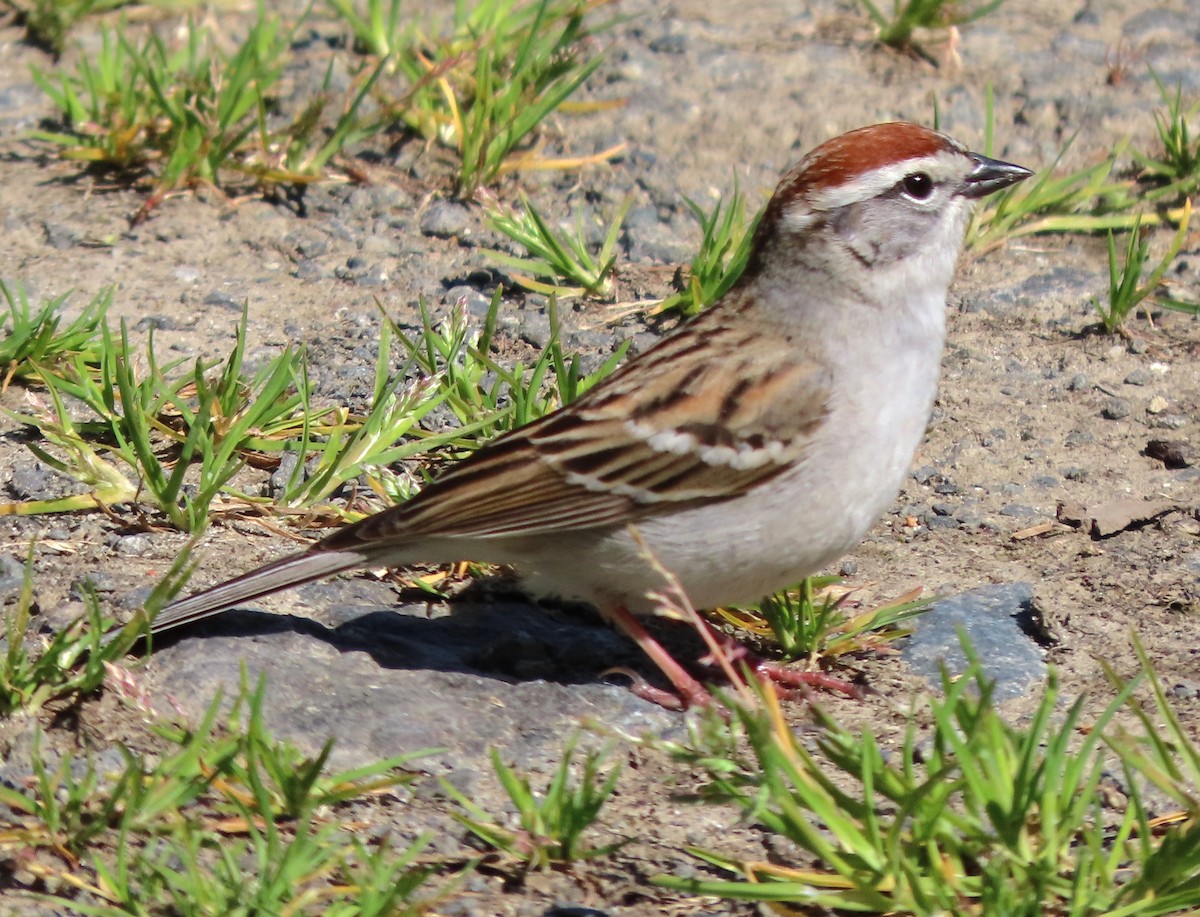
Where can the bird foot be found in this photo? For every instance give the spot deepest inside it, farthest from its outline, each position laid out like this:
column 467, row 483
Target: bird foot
column 639, row 687
column 726, row 655
column 776, row 672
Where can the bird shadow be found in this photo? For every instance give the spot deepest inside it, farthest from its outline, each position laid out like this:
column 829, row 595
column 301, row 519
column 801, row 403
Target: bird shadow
column 498, row 636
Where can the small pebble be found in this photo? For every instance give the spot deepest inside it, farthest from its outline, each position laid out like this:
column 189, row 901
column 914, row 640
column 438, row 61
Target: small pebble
column 224, row 300
column 925, row 474
column 134, row 545
column 1079, row 382
column 1020, row 510
column 61, row 236
column 1079, row 438
column 1169, row 421
column 1117, row 409
column 445, row 220
column 1138, row 377
column 1157, row 405
column 97, row 581
column 477, row 304
column 670, row 44
column 158, row 323
column 1185, row 690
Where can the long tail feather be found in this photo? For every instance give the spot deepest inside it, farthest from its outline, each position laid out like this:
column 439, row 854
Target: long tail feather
column 282, row 574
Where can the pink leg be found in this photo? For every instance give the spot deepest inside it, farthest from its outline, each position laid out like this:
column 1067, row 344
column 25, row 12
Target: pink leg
column 725, row 652
column 691, row 692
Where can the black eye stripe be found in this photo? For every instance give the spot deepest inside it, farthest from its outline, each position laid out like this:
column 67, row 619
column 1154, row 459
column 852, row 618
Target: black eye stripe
column 918, row 185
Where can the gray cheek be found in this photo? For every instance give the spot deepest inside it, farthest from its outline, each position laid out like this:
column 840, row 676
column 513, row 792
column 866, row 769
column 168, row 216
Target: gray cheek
column 882, row 234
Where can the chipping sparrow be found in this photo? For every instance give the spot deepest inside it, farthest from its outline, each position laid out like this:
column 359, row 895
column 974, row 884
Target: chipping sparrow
column 749, row 448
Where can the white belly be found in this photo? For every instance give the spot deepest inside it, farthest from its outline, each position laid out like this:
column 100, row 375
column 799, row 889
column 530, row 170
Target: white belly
column 737, row 551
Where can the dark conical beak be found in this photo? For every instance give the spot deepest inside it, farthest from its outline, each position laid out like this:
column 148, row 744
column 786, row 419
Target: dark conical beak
column 991, row 175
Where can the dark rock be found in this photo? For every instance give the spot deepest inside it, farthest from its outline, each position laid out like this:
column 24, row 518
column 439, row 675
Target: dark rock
column 1079, row 438
column 224, row 301
column 925, row 474
column 1019, row 510
column 1173, row 453
column 1169, row 421
column 647, row 238
column 670, row 44
column 999, row 622
column 1117, row 408
column 159, row 323
column 34, row 481
column 476, row 302
column 61, row 236
column 445, row 220
column 385, row 680
column 535, row 329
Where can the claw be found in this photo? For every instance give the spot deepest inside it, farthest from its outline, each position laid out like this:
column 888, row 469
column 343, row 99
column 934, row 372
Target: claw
column 639, row 687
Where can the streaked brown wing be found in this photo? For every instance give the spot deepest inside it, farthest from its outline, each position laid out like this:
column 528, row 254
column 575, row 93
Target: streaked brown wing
column 663, row 433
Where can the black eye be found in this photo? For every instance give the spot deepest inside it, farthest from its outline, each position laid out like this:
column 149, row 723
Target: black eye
column 918, row 186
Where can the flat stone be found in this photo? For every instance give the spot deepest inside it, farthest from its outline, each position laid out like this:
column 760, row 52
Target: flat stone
column 998, row 621
column 445, row 220
column 384, row 680
column 1117, row 408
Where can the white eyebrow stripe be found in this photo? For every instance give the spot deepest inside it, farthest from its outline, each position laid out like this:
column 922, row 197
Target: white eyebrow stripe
column 874, row 182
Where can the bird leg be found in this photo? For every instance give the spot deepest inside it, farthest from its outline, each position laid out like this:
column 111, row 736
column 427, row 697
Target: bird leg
column 724, row 653
column 691, row 692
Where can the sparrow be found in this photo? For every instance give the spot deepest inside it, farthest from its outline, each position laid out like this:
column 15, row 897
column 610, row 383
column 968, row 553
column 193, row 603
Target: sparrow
column 743, row 452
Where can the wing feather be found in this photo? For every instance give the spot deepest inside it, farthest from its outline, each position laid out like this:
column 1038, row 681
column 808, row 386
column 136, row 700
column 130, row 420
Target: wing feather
column 668, row 434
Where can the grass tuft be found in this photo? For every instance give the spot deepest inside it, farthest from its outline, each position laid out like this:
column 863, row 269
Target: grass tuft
column 552, row 823
column 1175, row 172
column 556, row 266
column 980, row 816
column 1126, row 292
column 75, row 660
column 725, row 242
column 897, row 28
column 33, row 342
column 224, row 820
column 812, row 622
